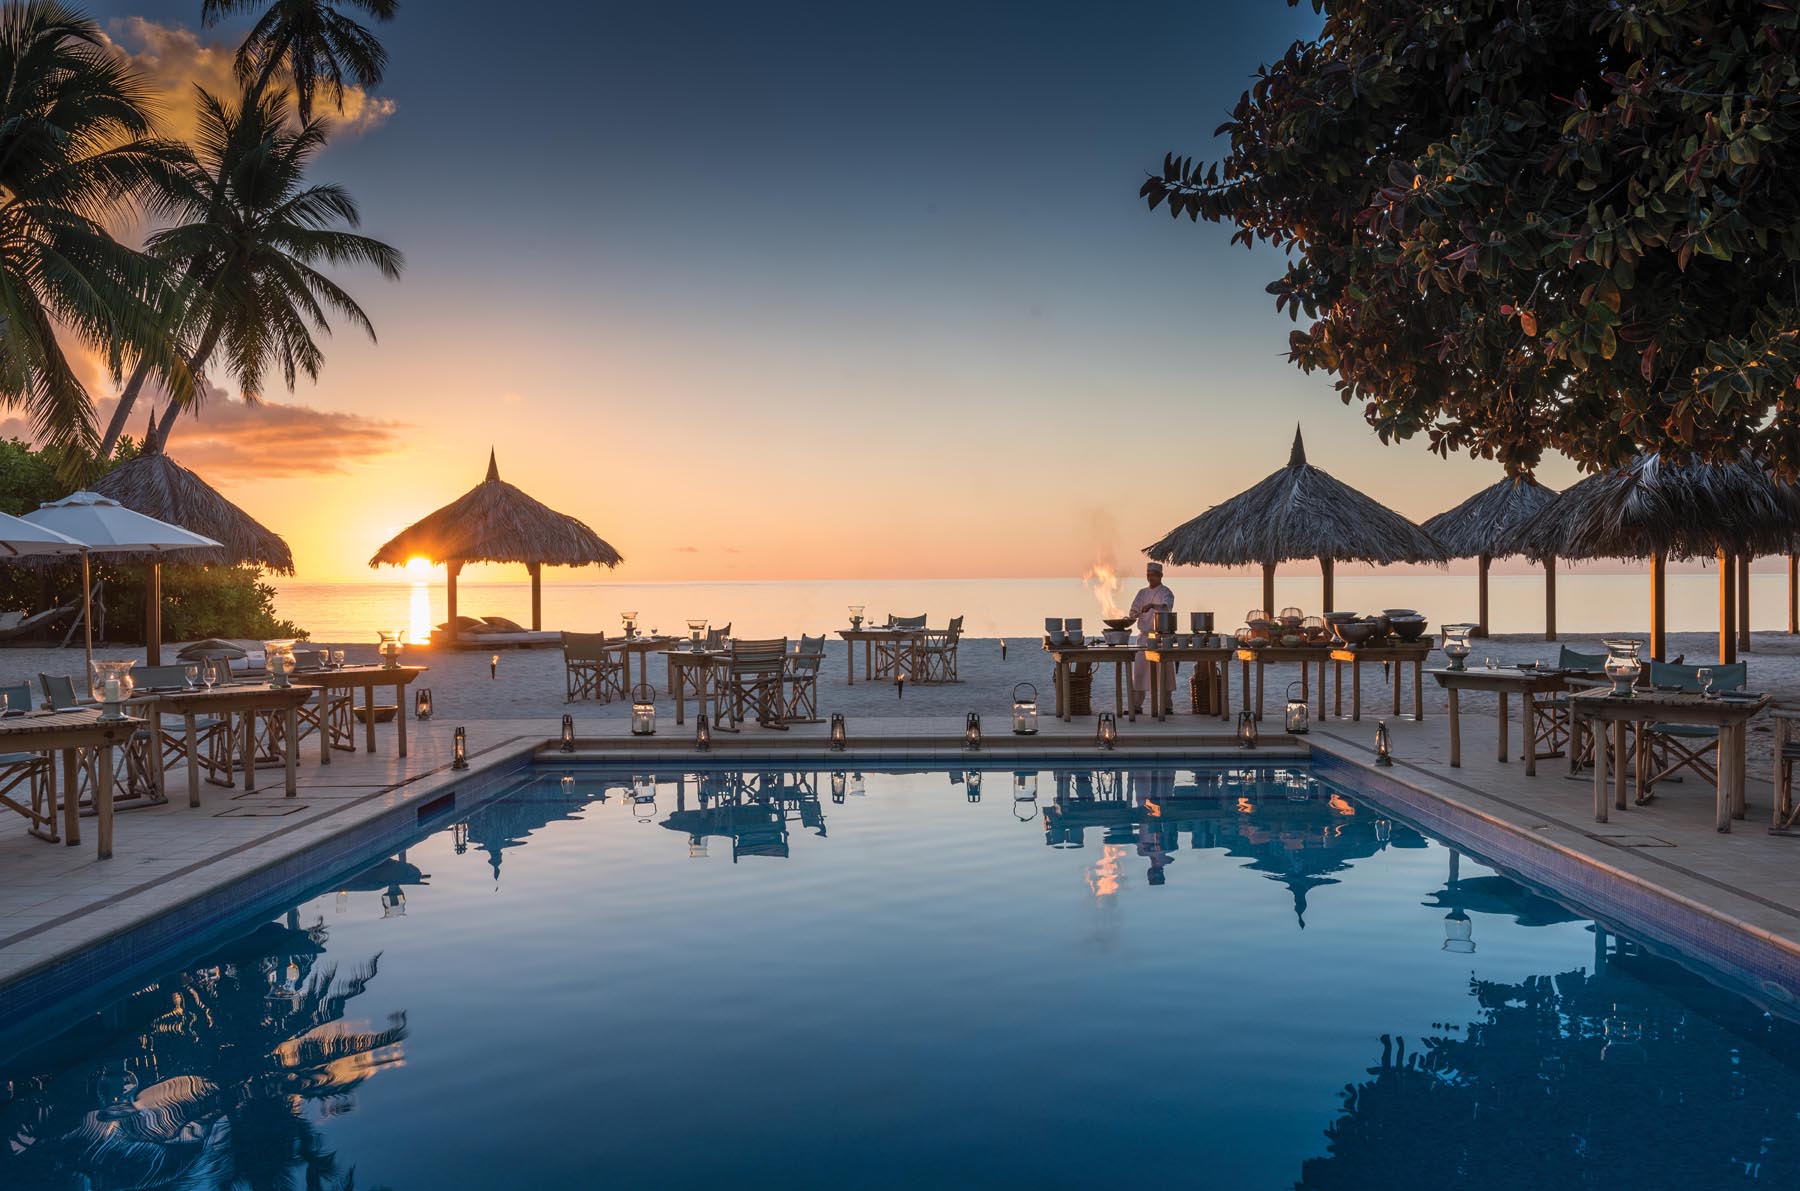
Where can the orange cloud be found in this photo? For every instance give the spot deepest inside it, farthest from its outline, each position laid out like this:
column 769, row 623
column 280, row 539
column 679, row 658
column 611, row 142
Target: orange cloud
column 174, row 61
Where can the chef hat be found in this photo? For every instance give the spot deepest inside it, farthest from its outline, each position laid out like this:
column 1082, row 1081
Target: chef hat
column 1153, row 565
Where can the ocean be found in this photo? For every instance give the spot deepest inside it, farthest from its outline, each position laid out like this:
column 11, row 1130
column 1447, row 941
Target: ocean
column 1587, row 603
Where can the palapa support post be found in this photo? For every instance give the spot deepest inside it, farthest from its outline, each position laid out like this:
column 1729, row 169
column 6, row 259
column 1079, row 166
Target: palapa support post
column 153, row 616
column 1793, row 594
column 1328, row 599
column 1268, row 596
column 1727, row 608
column 1550, row 599
column 1743, row 603
column 1659, row 625
column 537, row 596
column 451, row 570
column 1482, row 562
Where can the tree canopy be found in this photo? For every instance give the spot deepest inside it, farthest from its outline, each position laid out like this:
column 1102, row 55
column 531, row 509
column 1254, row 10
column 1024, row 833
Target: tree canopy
column 1571, row 224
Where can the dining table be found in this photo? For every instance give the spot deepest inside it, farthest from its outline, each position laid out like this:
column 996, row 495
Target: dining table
column 1528, row 683
column 1728, row 713
column 246, row 700
column 695, row 671
column 641, row 648
column 351, row 679
column 1398, row 655
column 1217, row 658
column 70, row 733
column 899, row 644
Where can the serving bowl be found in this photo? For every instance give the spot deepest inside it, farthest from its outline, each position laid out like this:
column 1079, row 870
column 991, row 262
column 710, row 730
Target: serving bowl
column 1118, row 622
column 1357, row 632
column 1408, row 628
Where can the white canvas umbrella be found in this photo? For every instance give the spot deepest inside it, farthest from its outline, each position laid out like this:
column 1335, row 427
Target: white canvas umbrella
column 19, row 537
column 102, row 526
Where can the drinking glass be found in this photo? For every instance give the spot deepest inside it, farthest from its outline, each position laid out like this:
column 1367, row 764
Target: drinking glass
column 191, row 673
column 337, row 658
column 1490, row 662
column 1704, row 676
column 209, row 674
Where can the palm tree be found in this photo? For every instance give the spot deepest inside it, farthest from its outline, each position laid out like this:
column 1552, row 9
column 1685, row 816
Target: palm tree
column 255, row 233
column 75, row 151
column 314, row 39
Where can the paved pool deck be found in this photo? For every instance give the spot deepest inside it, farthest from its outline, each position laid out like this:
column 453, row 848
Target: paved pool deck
column 57, row 901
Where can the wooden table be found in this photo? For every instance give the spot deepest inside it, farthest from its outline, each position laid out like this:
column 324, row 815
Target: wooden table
column 244, row 700
column 1212, row 655
column 1067, row 657
column 1262, row 656
column 366, row 679
column 902, row 639
column 1509, row 680
column 1729, row 716
column 68, row 732
column 693, row 669
column 643, row 647
column 1399, row 654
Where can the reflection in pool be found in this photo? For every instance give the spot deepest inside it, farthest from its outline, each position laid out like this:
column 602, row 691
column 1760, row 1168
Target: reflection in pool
column 817, row 979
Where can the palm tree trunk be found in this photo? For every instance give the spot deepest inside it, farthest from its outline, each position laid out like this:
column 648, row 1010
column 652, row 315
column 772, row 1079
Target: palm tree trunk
column 203, row 352
column 127, row 399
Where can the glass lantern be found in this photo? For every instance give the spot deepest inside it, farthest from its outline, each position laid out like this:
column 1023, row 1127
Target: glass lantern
column 1246, row 729
column 389, row 646
column 1622, row 664
column 629, row 619
column 111, row 684
column 702, row 734
column 840, row 781
column 973, row 781
column 1025, row 785
column 1298, row 716
column 1290, row 617
column 858, row 786
column 856, row 617
column 1384, row 745
column 1024, row 710
column 459, row 749
column 567, row 743
column 1106, row 732
column 697, row 633
column 1459, row 933
column 972, row 731
column 422, row 703
column 838, row 736
column 1456, row 645
column 393, row 902
column 643, row 710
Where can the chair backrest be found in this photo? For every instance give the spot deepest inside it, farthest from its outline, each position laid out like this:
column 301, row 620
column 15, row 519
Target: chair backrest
column 906, row 622
column 1572, row 659
column 808, row 656
column 1724, row 678
column 18, row 696
column 584, row 647
column 59, row 691
column 149, row 677
column 759, row 657
column 955, row 627
column 810, row 646
column 935, row 640
column 715, row 638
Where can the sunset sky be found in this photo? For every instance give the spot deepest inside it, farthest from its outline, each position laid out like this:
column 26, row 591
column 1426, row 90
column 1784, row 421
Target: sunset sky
column 790, row 290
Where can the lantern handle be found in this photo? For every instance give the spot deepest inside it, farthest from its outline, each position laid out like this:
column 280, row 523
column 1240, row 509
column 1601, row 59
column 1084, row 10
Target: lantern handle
column 1029, row 697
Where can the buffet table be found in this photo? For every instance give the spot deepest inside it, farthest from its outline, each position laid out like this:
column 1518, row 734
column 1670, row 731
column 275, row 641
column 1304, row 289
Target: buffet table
column 1217, row 658
column 1399, row 653
column 1306, row 655
column 1067, row 657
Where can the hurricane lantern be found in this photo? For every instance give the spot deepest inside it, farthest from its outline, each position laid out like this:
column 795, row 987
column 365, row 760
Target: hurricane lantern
column 972, row 731
column 1459, row 933
column 1024, row 710
column 643, row 710
column 459, row 755
column 1456, row 645
column 838, row 781
column 422, row 703
column 568, row 734
column 1298, row 718
column 839, row 739
column 702, row 734
column 1025, row 786
column 1106, row 734
column 1384, row 745
column 1246, row 729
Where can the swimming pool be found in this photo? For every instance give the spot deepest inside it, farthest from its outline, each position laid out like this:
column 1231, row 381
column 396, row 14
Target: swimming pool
column 1219, row 977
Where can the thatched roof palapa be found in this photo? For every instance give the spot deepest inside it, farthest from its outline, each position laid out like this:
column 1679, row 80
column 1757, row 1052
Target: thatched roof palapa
column 1300, row 512
column 1650, row 508
column 157, row 486
column 1484, row 523
column 496, row 522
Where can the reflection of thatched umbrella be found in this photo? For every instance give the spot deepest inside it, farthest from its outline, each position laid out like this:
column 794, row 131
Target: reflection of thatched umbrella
column 1656, row 510
column 1299, row 512
column 157, row 486
column 495, row 522
column 1474, row 528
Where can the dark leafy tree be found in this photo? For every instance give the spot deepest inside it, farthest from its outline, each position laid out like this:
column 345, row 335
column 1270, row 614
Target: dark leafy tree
column 1521, row 225
column 318, row 42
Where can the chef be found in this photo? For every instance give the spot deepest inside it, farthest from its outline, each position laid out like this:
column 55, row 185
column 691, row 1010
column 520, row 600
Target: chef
column 1144, row 606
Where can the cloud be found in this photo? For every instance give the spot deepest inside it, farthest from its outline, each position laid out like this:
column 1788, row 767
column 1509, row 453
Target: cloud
column 687, row 549
column 174, row 61
column 231, row 440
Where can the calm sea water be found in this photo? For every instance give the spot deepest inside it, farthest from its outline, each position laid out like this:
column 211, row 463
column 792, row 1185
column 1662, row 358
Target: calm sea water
column 1171, row 978
column 1586, row 603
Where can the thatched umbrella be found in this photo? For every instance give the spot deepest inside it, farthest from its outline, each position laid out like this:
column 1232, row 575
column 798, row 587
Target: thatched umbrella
column 1656, row 510
column 495, row 522
column 1474, row 528
column 1299, row 512
column 156, row 486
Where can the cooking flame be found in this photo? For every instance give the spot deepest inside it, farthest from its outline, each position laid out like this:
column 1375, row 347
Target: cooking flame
column 1103, row 581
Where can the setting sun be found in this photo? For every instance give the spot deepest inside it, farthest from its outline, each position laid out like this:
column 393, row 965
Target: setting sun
column 418, row 568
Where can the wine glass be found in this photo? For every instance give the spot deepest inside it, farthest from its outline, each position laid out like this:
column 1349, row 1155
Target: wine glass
column 1490, row 662
column 209, row 674
column 190, row 673
column 1704, row 676
column 337, row 659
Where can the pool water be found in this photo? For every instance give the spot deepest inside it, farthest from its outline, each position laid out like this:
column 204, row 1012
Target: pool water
column 1160, row 977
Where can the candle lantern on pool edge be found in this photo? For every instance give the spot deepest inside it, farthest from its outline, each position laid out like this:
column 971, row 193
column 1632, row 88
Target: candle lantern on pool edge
column 643, row 710
column 459, row 757
column 1246, row 730
column 1384, row 745
column 702, row 734
column 568, row 734
column 1299, row 717
column 422, row 703
column 838, row 740
column 1106, row 734
column 972, row 731
column 1024, row 710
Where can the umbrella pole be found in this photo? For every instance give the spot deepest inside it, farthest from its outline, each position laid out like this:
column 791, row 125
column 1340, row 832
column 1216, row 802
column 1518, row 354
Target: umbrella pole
column 1269, row 588
column 1550, row 599
column 153, row 615
column 1658, row 622
column 1743, row 606
column 87, row 609
column 1727, row 608
column 1481, row 594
